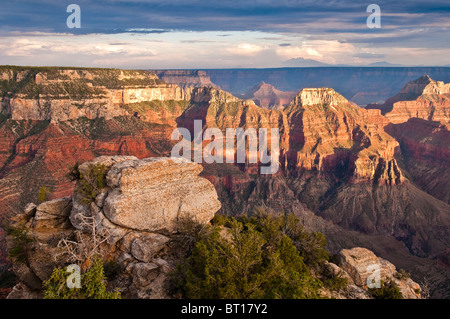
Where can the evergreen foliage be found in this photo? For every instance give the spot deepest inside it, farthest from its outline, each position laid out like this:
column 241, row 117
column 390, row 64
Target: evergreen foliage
column 93, row 284
column 250, row 258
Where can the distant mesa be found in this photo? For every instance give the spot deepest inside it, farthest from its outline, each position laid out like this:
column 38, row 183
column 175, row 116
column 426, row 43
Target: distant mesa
column 385, row 64
column 185, row 78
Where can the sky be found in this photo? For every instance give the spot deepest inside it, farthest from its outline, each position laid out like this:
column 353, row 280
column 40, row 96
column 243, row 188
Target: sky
column 195, row 34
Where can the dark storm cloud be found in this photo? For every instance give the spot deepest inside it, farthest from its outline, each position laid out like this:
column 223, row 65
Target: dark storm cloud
column 226, row 15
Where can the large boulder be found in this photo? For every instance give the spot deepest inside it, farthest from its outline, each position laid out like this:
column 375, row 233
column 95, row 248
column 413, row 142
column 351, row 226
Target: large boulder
column 361, row 263
column 151, row 194
column 51, row 214
column 147, row 194
column 367, row 271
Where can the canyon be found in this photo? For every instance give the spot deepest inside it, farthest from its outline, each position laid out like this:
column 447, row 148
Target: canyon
column 361, row 176
column 361, row 85
column 138, row 234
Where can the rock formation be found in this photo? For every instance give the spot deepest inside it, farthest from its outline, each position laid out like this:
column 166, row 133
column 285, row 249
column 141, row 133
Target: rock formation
column 268, row 97
column 426, row 154
column 422, row 98
column 67, row 94
column 148, row 194
column 362, row 267
column 69, row 227
column 327, row 133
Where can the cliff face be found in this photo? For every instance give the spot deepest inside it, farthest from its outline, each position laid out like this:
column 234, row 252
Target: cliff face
column 327, row 133
column 422, row 98
column 68, row 94
column 425, row 149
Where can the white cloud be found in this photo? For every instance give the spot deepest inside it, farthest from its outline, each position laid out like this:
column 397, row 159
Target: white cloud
column 246, row 49
column 327, row 51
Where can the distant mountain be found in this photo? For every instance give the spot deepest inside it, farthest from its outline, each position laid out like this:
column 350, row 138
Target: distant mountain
column 301, row 62
column 385, row 64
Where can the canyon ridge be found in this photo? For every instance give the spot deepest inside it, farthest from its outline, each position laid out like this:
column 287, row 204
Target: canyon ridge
column 374, row 177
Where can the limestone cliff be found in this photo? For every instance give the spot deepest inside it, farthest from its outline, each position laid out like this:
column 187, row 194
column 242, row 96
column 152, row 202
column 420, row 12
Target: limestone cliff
column 61, row 94
column 327, row 133
column 426, row 154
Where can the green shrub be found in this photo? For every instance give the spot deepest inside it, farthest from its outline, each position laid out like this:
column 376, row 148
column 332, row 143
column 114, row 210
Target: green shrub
column 221, row 220
column 92, row 182
column 311, row 246
column 44, row 194
column 74, row 173
column 20, row 240
column 402, row 274
column 335, row 283
column 388, row 290
column 249, row 261
column 93, row 284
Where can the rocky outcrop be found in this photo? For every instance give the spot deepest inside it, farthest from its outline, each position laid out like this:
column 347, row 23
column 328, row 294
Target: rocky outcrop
column 148, row 194
column 363, row 269
column 68, row 228
column 327, row 133
column 422, row 98
column 317, row 96
column 268, row 97
column 364, row 273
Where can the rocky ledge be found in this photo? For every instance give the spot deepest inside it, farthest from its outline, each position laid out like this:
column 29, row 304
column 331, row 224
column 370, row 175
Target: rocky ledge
column 361, row 266
column 129, row 222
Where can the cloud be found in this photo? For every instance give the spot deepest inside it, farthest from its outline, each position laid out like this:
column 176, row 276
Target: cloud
column 365, row 55
column 49, row 44
column 227, row 32
column 247, row 49
column 326, row 51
